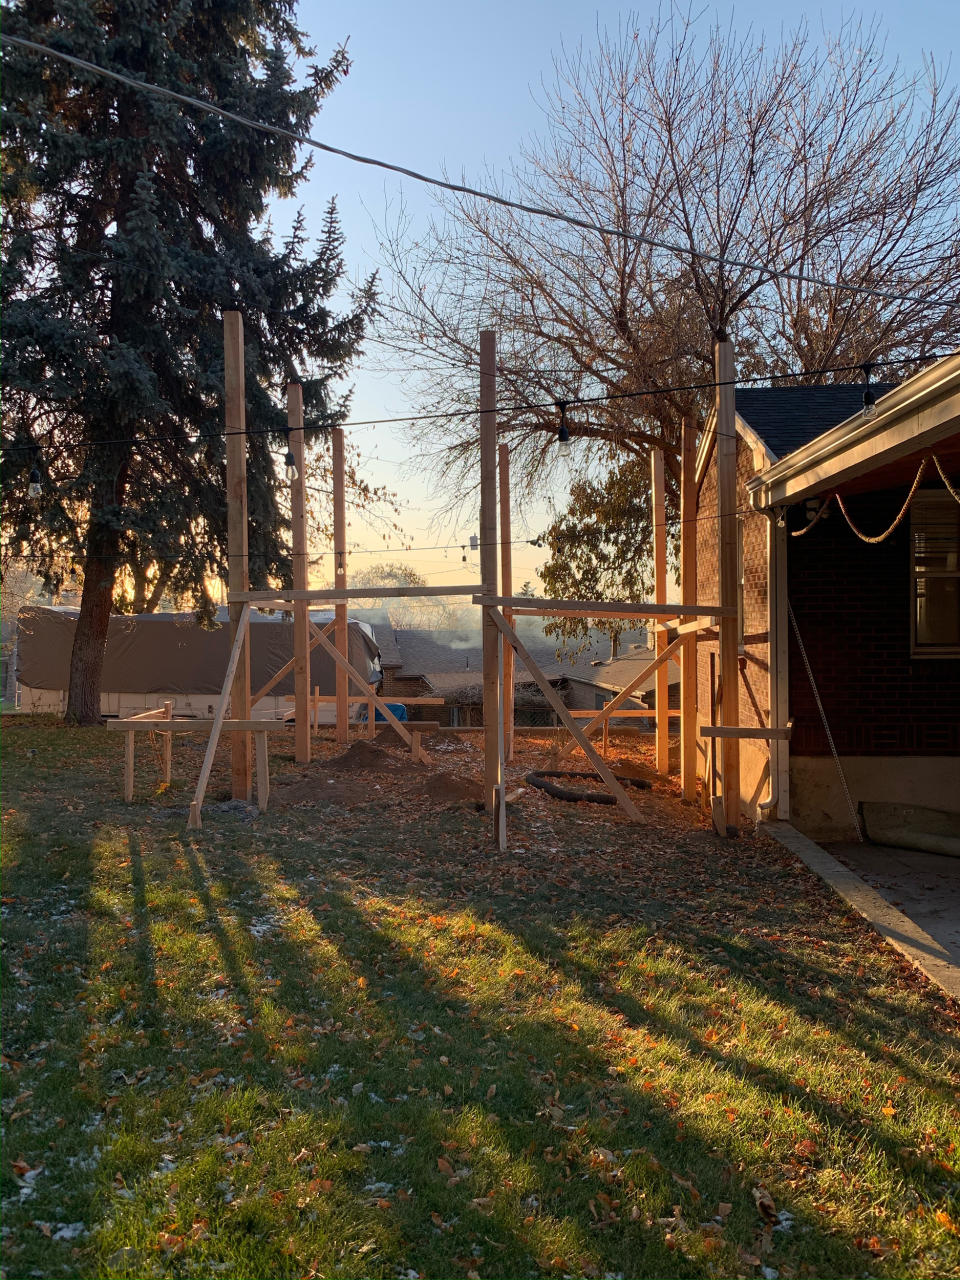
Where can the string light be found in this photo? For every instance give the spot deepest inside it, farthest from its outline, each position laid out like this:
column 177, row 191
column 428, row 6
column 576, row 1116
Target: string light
column 291, row 465
column 563, row 433
column 35, row 487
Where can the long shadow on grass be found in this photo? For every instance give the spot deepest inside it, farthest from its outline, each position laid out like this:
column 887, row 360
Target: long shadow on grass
column 603, row 1114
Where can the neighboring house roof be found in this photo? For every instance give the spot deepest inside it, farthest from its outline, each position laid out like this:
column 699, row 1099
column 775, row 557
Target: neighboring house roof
column 616, row 673
column 785, row 418
column 451, row 661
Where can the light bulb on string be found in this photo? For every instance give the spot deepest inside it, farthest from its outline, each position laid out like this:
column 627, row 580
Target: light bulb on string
column 291, row 466
column 563, row 433
column 35, row 485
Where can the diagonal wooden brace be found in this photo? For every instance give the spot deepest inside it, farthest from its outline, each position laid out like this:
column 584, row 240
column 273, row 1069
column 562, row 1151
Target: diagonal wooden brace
column 288, row 666
column 603, row 716
column 626, row 804
column 243, row 626
column 363, row 685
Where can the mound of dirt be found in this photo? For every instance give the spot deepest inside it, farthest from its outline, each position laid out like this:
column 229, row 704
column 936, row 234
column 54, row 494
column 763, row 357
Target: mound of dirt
column 631, row 769
column 363, row 756
column 449, row 788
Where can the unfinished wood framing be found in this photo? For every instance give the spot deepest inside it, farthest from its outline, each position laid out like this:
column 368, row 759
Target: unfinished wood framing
column 688, row 594
column 241, row 769
column 301, row 614
column 288, row 666
column 659, row 502
column 161, row 713
column 727, row 732
column 506, row 586
column 488, row 562
column 539, row 608
column 239, row 647
column 603, row 715
column 280, row 597
column 353, row 674
column 340, row 579
column 626, row 804
column 727, row 533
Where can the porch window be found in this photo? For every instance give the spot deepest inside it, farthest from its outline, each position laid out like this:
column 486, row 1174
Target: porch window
column 935, row 575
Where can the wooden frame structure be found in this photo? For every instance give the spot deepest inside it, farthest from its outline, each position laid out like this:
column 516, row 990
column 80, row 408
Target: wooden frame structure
column 676, row 625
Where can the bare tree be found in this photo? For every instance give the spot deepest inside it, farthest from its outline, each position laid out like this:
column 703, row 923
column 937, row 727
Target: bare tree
column 806, row 161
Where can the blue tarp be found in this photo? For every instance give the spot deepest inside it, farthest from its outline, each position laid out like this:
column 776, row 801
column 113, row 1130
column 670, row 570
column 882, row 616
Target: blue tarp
column 398, row 709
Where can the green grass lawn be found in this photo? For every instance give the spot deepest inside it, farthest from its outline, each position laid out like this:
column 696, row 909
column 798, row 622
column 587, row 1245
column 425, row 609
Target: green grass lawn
column 355, row 1041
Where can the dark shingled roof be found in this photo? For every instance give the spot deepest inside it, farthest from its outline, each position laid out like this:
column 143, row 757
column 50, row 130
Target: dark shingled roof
column 785, row 418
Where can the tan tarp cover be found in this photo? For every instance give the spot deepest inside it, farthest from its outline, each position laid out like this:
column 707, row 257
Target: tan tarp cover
column 169, row 653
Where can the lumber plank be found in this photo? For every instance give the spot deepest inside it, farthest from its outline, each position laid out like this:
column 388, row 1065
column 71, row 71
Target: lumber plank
column 330, row 595
column 738, row 731
column 688, row 594
column 361, row 683
column 288, row 666
column 263, row 770
column 533, row 607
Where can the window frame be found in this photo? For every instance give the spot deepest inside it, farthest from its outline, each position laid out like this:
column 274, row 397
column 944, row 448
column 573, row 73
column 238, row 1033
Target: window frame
column 927, row 498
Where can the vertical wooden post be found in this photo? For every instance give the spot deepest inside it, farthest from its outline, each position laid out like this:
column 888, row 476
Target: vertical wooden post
column 301, row 608
column 727, row 540
column 237, row 561
column 340, row 581
column 506, row 589
column 167, row 746
column 488, row 561
column 659, row 498
column 688, row 595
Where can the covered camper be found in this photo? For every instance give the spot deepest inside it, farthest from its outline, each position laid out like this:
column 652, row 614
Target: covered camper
column 154, row 656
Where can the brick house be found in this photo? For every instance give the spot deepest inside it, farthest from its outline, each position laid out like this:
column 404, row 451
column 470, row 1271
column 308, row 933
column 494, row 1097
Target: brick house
column 879, row 621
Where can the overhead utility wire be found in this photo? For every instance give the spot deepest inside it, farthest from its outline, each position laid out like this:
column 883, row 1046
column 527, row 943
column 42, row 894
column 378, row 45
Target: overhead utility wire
column 510, row 409
column 458, row 188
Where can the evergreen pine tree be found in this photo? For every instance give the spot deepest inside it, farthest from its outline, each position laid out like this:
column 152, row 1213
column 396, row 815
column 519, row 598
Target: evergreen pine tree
column 131, row 223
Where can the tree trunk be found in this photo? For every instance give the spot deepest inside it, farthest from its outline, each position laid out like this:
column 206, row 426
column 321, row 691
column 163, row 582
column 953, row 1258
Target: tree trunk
column 90, row 638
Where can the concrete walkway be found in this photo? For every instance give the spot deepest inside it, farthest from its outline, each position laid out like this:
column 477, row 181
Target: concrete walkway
column 878, row 881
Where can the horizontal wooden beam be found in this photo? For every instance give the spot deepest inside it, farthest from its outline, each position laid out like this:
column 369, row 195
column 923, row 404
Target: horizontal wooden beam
column 533, row 607
column 703, row 623
column 737, row 731
column 331, row 595
column 189, row 726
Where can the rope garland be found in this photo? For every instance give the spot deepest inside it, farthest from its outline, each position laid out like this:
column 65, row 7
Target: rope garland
column 881, row 537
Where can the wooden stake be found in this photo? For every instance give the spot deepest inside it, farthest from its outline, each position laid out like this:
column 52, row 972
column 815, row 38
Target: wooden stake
column 340, row 581
column 288, row 666
column 263, row 771
column 301, row 609
column 488, row 560
column 506, row 586
column 241, row 770
column 726, row 447
column 659, row 499
column 168, row 746
column 688, row 594
column 626, row 804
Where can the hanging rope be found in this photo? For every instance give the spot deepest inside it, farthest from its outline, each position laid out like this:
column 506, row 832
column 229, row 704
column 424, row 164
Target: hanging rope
column 823, row 716
column 798, row 533
column 954, row 493
column 882, row 537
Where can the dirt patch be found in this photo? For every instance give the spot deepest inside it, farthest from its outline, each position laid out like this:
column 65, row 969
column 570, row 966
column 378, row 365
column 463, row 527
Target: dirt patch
column 364, row 757
column 448, row 788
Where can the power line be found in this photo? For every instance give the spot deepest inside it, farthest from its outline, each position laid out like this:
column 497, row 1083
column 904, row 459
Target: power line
column 518, row 408
column 539, row 211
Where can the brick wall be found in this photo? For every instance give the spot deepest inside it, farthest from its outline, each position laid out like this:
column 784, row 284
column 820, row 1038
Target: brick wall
column 852, row 604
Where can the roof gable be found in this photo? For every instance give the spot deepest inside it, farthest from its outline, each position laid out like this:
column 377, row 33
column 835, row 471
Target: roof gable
column 785, row 418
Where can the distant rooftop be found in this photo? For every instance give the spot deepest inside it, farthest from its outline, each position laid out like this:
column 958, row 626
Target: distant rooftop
column 786, row 418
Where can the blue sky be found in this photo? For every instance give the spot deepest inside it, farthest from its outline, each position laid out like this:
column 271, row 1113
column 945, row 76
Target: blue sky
column 451, row 86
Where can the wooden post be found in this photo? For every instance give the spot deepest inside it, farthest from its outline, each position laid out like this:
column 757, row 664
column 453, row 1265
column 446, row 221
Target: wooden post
column 727, row 542
column 488, row 560
column 688, row 595
column 237, row 561
column 263, row 770
column 301, row 608
column 506, row 588
column 340, row 581
column 659, row 499
column 129, row 748
column 167, row 746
